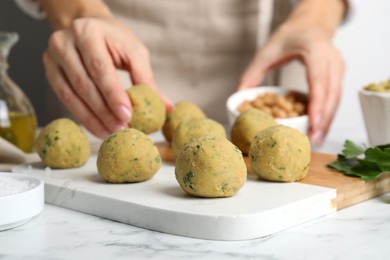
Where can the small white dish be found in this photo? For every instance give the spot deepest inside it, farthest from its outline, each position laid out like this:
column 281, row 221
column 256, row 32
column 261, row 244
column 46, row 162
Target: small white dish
column 22, row 200
column 300, row 123
column 376, row 112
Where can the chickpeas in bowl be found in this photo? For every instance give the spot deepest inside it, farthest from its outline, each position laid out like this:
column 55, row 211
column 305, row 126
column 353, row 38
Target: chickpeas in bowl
column 279, row 106
column 287, row 107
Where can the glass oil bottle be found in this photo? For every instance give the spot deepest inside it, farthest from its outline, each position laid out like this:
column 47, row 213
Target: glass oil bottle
column 18, row 122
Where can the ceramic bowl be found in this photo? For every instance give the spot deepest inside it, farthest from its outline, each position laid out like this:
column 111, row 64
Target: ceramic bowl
column 376, row 112
column 23, row 200
column 235, row 100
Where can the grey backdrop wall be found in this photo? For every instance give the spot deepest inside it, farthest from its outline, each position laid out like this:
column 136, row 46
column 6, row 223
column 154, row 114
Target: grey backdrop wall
column 26, row 67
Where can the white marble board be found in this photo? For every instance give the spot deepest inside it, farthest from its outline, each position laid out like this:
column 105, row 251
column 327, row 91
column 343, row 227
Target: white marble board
column 259, row 209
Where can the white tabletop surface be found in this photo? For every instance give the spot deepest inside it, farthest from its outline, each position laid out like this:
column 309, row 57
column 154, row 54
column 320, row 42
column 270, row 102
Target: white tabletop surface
column 358, row 232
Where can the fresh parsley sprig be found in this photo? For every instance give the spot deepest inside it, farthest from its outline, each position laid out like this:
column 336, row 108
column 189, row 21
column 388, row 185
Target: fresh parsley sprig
column 374, row 163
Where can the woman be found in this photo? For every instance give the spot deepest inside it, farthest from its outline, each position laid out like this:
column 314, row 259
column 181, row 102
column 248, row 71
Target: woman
column 196, row 50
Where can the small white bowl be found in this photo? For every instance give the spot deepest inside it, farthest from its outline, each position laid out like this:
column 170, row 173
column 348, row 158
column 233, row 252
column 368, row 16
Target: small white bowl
column 20, row 206
column 376, row 112
column 300, row 123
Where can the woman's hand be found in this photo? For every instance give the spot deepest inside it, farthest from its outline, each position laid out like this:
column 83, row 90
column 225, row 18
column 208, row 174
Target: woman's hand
column 306, row 36
column 81, row 63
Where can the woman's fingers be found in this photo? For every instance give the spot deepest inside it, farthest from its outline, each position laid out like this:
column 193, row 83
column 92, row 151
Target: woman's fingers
column 273, row 54
column 75, row 73
column 253, row 74
column 265, row 58
column 68, row 97
column 100, row 68
column 136, row 61
column 138, row 65
column 140, row 68
column 324, row 72
column 317, row 77
column 336, row 71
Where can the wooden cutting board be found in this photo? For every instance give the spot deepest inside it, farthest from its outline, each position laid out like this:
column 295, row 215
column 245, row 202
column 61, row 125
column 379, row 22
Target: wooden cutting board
column 350, row 190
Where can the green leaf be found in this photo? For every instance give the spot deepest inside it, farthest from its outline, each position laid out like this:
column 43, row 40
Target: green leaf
column 375, row 163
column 344, row 165
column 384, row 166
column 368, row 164
column 375, row 154
column 367, row 174
column 352, row 150
column 384, row 146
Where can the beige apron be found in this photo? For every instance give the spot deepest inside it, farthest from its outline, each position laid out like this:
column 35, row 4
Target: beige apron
column 199, row 48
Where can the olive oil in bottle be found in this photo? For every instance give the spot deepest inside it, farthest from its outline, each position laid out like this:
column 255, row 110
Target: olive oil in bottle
column 17, row 117
column 20, row 131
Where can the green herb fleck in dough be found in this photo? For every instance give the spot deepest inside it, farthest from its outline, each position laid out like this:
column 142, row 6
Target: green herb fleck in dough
column 157, row 159
column 282, row 168
column 273, row 144
column 47, row 140
column 43, row 152
column 224, row 187
column 253, row 158
column 188, row 180
column 110, row 138
column 147, row 102
column 307, row 166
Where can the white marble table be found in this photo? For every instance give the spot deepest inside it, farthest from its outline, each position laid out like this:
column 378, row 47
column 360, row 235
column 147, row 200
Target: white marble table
column 358, row 232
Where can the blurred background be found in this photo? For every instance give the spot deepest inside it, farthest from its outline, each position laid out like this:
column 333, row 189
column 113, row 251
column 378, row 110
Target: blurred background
column 364, row 42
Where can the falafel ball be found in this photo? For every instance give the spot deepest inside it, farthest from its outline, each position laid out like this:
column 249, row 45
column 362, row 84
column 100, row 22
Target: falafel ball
column 181, row 111
column 280, row 153
column 128, row 155
column 148, row 109
column 62, row 144
column 191, row 128
column 246, row 126
column 211, row 167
